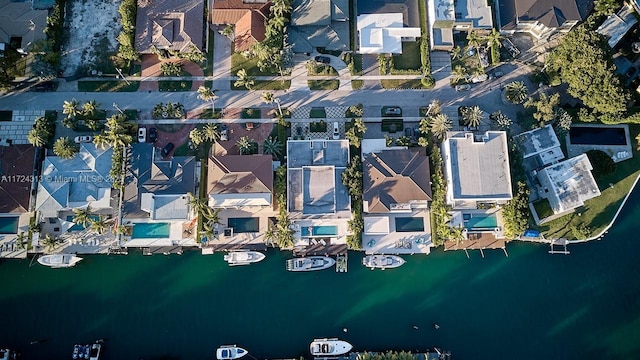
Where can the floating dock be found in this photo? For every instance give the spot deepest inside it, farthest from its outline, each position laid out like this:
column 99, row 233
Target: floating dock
column 341, row 263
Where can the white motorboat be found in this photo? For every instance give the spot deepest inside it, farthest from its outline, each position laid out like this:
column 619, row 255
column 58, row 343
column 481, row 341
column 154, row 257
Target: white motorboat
column 243, row 257
column 382, row 261
column 59, row 260
column 329, row 347
column 310, row 263
column 228, row 352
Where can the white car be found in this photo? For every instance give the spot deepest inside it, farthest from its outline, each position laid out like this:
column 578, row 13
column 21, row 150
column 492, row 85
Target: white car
column 142, row 135
column 83, row 139
column 336, row 131
column 463, row 87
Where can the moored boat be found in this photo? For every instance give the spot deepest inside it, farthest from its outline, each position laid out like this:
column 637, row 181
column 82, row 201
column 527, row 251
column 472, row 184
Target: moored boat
column 243, row 257
column 95, row 351
column 7, row 354
column 382, row 261
column 329, row 347
column 59, row 260
column 310, row 263
column 229, row 352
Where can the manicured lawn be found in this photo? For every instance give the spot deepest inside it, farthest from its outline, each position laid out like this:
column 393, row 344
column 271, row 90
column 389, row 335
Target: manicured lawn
column 250, row 113
column 265, row 85
column 597, row 213
column 318, row 113
column 210, row 114
column 401, row 84
column 108, row 86
column 392, row 125
column 238, row 61
column 171, row 85
column 357, row 84
column 321, row 70
column 543, row 208
column 324, row 84
column 410, row 57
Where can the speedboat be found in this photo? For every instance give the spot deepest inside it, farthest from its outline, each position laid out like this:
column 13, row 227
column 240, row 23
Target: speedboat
column 382, row 261
column 310, row 263
column 329, row 347
column 59, row 260
column 227, row 352
column 243, row 257
column 94, row 354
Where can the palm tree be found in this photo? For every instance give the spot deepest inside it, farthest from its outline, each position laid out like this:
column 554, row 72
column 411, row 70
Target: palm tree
column 435, row 107
column 65, row 148
column 272, row 146
column 244, row 79
column 493, row 41
column 228, row 30
column 244, row 145
column 268, row 97
column 37, row 137
column 206, row 94
column 97, row 225
column 501, row 120
column 456, row 53
column 49, row 241
column 82, row 216
column 101, row 141
column 516, row 92
column 473, row 40
column 457, row 234
column 211, row 132
column 472, row 116
column 89, row 108
column 459, row 73
column 196, row 136
column 92, row 124
column 20, row 240
column 439, row 125
column 200, row 205
column 278, row 21
column 71, row 108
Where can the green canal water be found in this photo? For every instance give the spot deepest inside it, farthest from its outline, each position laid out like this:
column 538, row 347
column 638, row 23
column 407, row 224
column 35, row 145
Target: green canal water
column 529, row 305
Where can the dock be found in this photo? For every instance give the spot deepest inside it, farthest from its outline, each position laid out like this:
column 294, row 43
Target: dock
column 341, row 263
column 435, row 354
column 166, row 250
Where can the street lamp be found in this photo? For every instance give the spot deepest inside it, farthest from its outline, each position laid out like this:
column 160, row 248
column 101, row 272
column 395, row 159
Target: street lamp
column 117, row 108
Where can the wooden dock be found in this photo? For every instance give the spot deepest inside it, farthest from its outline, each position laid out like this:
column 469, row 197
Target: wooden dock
column 341, row 263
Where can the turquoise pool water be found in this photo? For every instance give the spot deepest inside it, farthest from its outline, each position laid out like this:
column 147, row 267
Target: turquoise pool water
column 244, row 225
column 321, row 230
column 78, row 227
column 482, row 222
column 409, row 224
column 8, row 225
column 150, row 230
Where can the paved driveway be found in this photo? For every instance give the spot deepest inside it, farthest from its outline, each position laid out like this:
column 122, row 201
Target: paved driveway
column 221, row 60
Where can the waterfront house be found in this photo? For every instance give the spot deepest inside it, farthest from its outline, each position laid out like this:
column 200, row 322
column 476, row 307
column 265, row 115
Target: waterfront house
column 319, row 23
column 247, row 16
column 541, row 18
column 449, row 16
column 240, row 187
column 476, row 169
column 156, row 193
column 396, row 196
column 616, row 26
column 384, row 33
column 317, row 200
column 169, row 25
column 16, row 176
column 20, row 25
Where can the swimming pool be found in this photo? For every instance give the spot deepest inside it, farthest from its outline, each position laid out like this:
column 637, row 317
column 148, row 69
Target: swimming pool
column 9, row 225
column 482, row 222
column 592, row 135
column 409, row 224
column 321, row 230
column 244, row 225
column 150, row 230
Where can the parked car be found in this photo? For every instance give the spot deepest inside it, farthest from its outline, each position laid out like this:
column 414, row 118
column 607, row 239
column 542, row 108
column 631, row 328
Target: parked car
column 463, row 87
column 336, row 131
column 167, row 149
column 498, row 74
column 416, row 131
column 142, row 135
column 153, row 135
column 322, row 59
column 393, row 111
column 408, row 132
column 224, row 133
column 45, row 86
column 479, row 78
column 83, row 139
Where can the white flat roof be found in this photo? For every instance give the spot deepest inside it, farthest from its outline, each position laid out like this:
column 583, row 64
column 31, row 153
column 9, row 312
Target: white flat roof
column 383, row 33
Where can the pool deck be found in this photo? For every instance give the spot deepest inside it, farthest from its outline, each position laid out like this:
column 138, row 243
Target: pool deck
column 395, row 242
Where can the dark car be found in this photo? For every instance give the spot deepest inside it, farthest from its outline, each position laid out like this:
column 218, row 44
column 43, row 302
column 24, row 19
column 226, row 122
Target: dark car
column 45, row 86
column 408, row 132
column 153, row 135
column 167, row 149
column 322, row 59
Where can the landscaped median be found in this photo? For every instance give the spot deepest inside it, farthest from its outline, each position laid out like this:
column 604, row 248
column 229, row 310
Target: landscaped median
column 108, row 86
column 597, row 213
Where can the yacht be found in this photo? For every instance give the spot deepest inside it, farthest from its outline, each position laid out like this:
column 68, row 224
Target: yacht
column 228, row 352
column 310, row 263
column 94, row 353
column 59, row 260
column 243, row 257
column 382, row 261
column 329, row 347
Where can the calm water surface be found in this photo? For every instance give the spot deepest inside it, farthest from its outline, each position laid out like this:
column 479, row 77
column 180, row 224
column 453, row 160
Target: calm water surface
column 530, row 305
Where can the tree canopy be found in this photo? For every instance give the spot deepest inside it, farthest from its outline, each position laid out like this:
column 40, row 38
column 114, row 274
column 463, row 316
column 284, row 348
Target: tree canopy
column 584, row 62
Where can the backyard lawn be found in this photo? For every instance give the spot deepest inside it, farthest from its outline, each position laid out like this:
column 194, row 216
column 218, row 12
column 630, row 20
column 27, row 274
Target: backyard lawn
column 410, row 57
